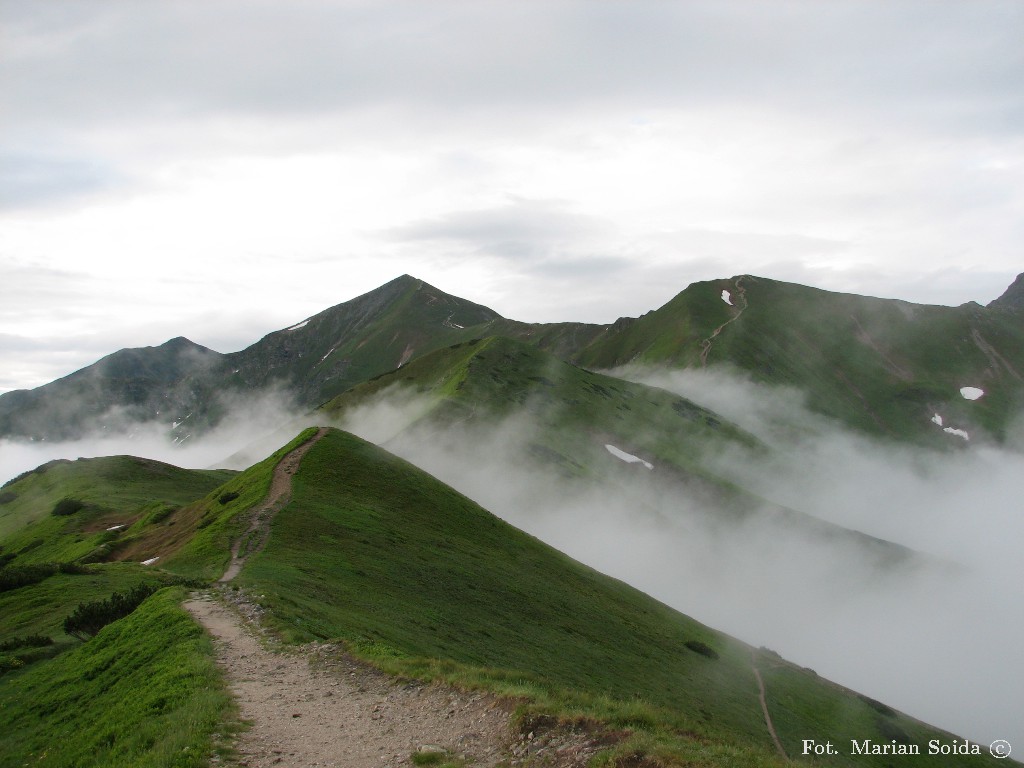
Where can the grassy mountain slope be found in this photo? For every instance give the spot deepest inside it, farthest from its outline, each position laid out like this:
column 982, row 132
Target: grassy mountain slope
column 351, row 342
column 566, row 415
column 112, row 491
column 127, row 386
column 882, row 366
column 576, row 411
column 143, row 693
column 373, row 551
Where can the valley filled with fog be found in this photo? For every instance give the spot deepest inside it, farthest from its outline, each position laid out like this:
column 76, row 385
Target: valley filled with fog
column 936, row 635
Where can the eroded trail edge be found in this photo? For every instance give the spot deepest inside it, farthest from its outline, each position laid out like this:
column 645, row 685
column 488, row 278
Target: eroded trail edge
column 315, row 706
column 280, row 492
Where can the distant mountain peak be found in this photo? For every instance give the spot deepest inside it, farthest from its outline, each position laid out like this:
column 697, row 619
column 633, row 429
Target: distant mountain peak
column 1013, row 297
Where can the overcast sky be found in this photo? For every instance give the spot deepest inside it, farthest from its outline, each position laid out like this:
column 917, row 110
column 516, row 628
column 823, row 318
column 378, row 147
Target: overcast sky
column 222, row 169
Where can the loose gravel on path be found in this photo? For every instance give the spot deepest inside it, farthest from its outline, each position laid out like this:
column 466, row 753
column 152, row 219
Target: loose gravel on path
column 316, row 707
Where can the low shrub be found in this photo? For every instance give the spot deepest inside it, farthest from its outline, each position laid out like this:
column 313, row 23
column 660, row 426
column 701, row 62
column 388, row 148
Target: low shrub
column 228, row 496
column 14, row 576
column 89, row 618
column 702, row 648
column 29, row 641
column 6, row 497
column 66, row 507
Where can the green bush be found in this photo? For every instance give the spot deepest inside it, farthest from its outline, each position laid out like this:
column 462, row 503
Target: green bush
column 228, row 497
column 702, row 648
column 89, row 618
column 29, row 641
column 15, row 576
column 6, row 497
column 66, row 507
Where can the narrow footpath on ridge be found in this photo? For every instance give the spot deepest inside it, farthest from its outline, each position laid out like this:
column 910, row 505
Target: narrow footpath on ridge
column 315, row 706
column 705, row 346
column 255, row 536
column 762, row 696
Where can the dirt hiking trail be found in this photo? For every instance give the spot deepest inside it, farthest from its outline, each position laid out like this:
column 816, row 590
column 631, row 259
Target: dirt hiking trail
column 763, row 698
column 255, row 536
column 317, row 707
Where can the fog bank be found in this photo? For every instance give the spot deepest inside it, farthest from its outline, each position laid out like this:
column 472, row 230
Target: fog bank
column 939, row 639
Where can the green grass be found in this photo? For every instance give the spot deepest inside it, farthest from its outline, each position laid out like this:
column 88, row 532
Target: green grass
column 213, row 526
column 570, row 414
column 144, row 693
column 880, row 366
column 40, row 609
column 115, row 490
column 422, row 581
column 574, row 411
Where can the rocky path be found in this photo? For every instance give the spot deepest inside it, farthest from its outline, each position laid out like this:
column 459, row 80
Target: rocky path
column 317, row 707
column 255, row 536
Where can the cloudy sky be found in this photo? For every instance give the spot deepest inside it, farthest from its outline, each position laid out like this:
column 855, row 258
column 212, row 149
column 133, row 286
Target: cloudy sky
column 222, row 169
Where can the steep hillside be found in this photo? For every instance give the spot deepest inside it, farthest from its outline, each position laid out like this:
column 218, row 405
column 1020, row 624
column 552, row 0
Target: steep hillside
column 579, row 411
column 69, row 510
column 585, row 426
column 373, row 551
column 351, row 342
column 409, row 574
column 886, row 367
column 151, row 383
column 187, row 388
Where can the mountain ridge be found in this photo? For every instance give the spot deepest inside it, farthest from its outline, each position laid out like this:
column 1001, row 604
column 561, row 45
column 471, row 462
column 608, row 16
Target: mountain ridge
column 882, row 366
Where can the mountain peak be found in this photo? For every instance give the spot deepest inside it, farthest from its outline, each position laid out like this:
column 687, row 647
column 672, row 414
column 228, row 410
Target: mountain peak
column 1012, row 298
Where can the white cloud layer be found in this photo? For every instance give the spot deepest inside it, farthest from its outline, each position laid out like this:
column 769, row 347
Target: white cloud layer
column 925, row 640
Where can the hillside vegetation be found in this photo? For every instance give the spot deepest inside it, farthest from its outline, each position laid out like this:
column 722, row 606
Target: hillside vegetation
column 414, row 576
column 881, row 366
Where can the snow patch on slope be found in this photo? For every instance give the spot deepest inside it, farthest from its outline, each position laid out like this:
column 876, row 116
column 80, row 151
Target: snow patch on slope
column 971, row 393
column 958, row 432
column 727, row 298
column 629, row 458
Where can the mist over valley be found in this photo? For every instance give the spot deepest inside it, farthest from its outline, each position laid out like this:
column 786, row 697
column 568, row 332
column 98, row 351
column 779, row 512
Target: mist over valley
column 787, row 512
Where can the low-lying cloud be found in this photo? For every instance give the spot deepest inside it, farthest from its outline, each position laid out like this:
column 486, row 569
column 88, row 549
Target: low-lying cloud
column 927, row 637
column 248, row 421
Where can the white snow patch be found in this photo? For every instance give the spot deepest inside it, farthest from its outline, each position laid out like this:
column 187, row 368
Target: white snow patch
column 629, row 458
column 958, row 432
column 297, row 325
column 936, row 419
column 456, row 325
column 727, row 298
column 116, row 527
column 150, row 561
column 327, row 355
column 971, row 393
